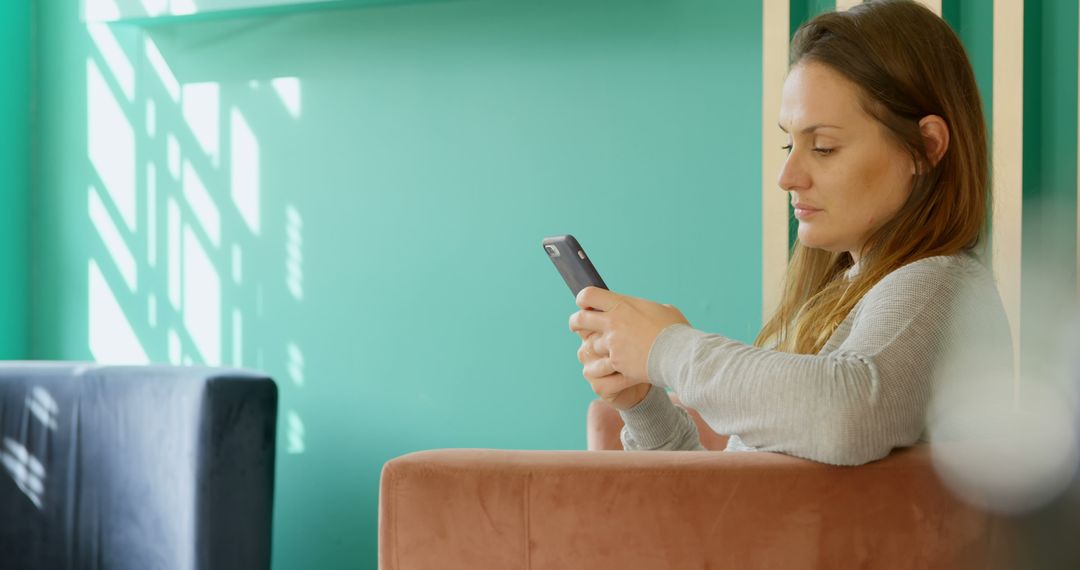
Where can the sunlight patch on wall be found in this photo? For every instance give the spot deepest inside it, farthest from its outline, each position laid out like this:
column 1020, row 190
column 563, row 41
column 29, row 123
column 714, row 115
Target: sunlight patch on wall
column 151, row 118
column 115, row 58
column 172, row 154
column 112, row 340
column 237, row 338
column 173, row 229
column 182, row 7
column 151, row 214
column 244, row 154
column 294, row 272
column 202, row 204
column 118, row 250
column 161, row 69
column 295, row 431
column 202, row 299
column 110, row 144
column 100, row 10
column 296, row 364
column 288, row 90
column 200, row 109
column 154, row 7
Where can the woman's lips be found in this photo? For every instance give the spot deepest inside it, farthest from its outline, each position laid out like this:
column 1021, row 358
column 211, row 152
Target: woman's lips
column 804, row 212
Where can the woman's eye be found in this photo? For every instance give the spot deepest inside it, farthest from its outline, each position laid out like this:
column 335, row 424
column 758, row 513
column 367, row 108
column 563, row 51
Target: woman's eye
column 820, row 151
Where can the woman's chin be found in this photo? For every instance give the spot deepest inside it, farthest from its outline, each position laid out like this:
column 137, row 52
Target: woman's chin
column 814, row 240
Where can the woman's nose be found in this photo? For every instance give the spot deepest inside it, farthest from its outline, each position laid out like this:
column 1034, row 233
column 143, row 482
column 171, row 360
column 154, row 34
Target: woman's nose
column 792, row 175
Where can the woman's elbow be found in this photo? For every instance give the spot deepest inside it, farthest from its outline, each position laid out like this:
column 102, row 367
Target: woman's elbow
column 854, row 443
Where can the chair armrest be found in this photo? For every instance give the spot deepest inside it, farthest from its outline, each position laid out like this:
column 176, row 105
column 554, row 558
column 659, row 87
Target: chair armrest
column 476, row 508
column 603, row 425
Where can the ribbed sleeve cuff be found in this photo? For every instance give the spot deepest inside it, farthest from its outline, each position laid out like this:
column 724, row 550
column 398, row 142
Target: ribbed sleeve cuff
column 666, row 354
column 654, row 420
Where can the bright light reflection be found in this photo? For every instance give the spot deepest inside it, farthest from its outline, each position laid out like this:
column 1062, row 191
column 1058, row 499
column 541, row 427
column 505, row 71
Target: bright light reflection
column 118, row 250
column 244, row 153
column 154, row 7
column 173, row 229
column 237, row 338
column 161, row 68
column 182, row 7
column 151, row 118
column 288, row 90
column 294, row 272
column 110, row 144
column 202, row 299
column 172, row 152
column 100, row 10
column 151, row 214
column 296, row 364
column 114, row 57
column 202, row 204
column 295, row 437
column 112, row 340
column 200, row 108
column 25, row 469
column 43, row 406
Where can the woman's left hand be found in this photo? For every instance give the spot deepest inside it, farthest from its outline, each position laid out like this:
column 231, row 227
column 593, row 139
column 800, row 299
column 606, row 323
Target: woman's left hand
column 626, row 328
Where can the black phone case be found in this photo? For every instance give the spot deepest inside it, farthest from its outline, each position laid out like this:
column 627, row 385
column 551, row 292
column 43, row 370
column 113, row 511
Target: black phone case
column 574, row 266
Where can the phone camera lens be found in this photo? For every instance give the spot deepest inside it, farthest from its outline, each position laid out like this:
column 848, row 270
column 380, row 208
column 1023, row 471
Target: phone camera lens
column 552, row 250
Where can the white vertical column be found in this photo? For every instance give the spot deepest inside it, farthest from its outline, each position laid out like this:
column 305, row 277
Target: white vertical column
column 1008, row 160
column 775, row 16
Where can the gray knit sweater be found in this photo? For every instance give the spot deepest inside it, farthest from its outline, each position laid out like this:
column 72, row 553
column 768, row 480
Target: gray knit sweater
column 867, row 390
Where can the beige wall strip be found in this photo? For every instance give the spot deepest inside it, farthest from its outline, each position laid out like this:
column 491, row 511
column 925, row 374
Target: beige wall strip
column 1007, row 158
column 934, row 5
column 774, row 202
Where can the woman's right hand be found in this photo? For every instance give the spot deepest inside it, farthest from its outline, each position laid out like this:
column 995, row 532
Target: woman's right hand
column 611, row 386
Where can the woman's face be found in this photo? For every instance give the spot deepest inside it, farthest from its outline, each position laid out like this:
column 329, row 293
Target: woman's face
column 846, row 175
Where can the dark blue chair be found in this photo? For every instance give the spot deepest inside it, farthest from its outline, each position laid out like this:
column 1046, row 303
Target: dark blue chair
column 135, row 467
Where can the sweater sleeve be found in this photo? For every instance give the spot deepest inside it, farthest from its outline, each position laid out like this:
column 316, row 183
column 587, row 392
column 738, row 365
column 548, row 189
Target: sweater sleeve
column 656, row 423
column 847, row 406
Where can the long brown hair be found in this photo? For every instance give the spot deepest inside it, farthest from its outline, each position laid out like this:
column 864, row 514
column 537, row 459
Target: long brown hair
column 908, row 64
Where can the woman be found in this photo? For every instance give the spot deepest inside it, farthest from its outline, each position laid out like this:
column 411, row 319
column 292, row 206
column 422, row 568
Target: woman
column 887, row 169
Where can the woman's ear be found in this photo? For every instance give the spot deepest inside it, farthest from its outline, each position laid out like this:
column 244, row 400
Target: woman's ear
column 935, row 135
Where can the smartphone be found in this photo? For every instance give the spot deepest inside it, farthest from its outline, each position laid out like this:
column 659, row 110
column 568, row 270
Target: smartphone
column 574, row 266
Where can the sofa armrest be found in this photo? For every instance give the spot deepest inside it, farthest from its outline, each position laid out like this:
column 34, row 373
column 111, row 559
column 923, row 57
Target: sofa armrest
column 603, row 425
column 476, row 508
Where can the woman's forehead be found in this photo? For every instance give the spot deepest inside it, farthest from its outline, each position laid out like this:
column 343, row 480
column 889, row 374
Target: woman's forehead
column 814, row 94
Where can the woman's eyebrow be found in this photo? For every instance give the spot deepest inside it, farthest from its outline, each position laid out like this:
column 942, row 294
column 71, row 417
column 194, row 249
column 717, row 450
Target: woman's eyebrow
column 811, row 128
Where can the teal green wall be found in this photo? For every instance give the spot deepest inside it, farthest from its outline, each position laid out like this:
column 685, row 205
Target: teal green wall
column 15, row 44
column 973, row 22
column 436, row 145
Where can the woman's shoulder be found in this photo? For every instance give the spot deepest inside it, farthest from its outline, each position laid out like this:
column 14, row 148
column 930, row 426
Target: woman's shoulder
column 955, row 269
column 937, row 280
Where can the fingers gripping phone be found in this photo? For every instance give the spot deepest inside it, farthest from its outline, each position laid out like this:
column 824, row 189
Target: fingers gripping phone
column 572, row 263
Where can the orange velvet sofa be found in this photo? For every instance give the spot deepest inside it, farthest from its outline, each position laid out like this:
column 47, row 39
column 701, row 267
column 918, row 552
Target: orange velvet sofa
column 451, row 509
